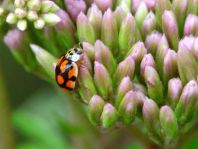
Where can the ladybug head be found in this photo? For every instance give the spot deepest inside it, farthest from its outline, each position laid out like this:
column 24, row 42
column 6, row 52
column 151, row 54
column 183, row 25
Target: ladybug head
column 74, row 54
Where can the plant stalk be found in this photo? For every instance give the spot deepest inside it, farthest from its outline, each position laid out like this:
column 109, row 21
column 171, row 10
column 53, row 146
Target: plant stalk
column 6, row 135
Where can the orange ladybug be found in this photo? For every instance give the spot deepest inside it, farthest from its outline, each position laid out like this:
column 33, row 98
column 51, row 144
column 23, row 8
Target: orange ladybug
column 66, row 71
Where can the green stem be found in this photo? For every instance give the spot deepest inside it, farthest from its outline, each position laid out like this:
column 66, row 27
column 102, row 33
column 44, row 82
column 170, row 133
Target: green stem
column 134, row 132
column 88, row 139
column 6, row 135
column 186, row 136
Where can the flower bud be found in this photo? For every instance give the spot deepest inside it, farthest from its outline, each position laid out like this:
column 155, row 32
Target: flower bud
column 147, row 60
column 170, row 28
column 85, row 29
column 119, row 15
column 45, row 59
column 168, row 123
column 65, row 23
column 22, row 25
column 161, row 6
column 39, row 24
column 152, row 42
column 75, row 7
column 89, row 50
column 191, row 25
column 162, row 49
column 135, row 4
column 86, row 62
column 85, row 94
column 125, row 68
column 104, row 56
column 149, row 24
column 187, row 64
column 19, row 3
column 86, row 80
column 128, row 108
column 96, row 105
column 192, row 7
column 48, row 6
column 154, row 84
column 139, row 95
column 109, row 116
column 102, row 80
column 14, row 39
column 34, row 5
column 141, row 14
column 95, row 18
column 180, row 7
column 174, row 91
column 128, row 34
column 124, row 86
column 17, row 41
column 150, row 4
column 187, row 102
column 187, row 44
column 51, row 19
column 109, row 32
column 32, row 15
column 170, row 65
column 11, row 18
column 137, row 52
column 65, row 30
column 104, row 4
column 20, row 13
column 140, row 89
column 125, row 4
column 150, row 112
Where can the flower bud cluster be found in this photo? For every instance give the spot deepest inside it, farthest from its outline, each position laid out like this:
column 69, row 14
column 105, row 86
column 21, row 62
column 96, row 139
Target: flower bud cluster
column 40, row 12
column 139, row 60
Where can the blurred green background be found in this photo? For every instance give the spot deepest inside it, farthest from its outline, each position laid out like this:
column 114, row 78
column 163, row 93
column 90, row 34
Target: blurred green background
column 34, row 115
column 30, row 102
column 19, row 83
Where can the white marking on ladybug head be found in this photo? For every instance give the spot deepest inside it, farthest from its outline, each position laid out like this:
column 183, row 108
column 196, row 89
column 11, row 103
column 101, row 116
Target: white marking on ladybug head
column 74, row 54
column 75, row 57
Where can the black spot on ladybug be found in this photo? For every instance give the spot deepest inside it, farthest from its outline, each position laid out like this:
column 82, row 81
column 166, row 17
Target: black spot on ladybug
column 58, row 70
column 75, row 50
column 73, row 78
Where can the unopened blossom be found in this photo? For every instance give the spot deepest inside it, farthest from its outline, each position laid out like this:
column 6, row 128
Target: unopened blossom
column 174, row 91
column 74, row 7
column 168, row 123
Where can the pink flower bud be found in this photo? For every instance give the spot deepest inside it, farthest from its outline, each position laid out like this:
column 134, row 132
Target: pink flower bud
column 104, row 4
column 174, row 91
column 74, row 7
column 191, row 25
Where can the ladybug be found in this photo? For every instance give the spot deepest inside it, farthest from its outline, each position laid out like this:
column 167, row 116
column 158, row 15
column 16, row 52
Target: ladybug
column 66, row 71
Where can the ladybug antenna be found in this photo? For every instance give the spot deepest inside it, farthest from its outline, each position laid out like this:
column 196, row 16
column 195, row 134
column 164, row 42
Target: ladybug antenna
column 81, row 45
